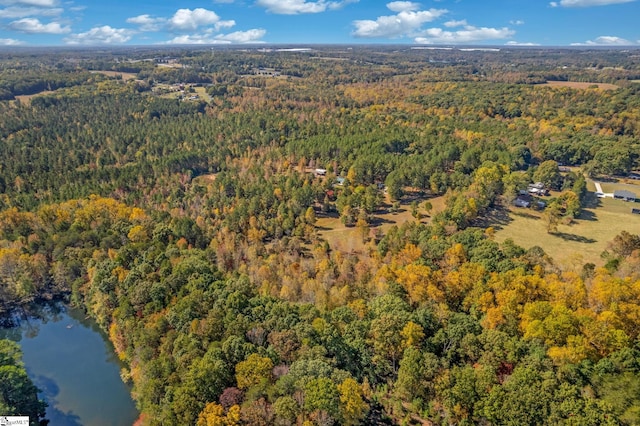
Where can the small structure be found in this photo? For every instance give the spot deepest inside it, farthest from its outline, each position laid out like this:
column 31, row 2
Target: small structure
column 537, row 188
column 267, row 72
column 624, row 195
column 320, row 172
column 522, row 201
column 340, row 180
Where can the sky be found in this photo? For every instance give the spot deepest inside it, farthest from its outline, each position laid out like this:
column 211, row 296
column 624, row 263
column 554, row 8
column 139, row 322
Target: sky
column 434, row 22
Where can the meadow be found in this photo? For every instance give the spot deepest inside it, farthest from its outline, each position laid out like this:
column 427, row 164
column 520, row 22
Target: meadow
column 581, row 241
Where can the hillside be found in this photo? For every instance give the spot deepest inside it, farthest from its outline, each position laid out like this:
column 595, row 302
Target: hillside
column 336, row 247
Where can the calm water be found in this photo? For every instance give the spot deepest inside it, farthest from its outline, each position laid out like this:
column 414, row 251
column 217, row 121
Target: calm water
column 75, row 366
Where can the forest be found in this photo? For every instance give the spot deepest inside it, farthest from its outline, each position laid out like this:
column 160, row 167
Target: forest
column 187, row 227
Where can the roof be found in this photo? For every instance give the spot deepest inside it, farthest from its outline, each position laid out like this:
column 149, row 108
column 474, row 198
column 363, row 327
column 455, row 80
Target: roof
column 623, row 193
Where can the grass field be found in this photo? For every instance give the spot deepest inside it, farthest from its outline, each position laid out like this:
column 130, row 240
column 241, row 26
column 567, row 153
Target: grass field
column 26, row 99
column 575, row 244
column 580, row 85
column 350, row 239
column 124, row 75
column 205, row 179
column 633, row 186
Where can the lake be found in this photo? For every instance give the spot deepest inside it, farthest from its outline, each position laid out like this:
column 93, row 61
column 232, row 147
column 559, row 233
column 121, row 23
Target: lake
column 74, row 365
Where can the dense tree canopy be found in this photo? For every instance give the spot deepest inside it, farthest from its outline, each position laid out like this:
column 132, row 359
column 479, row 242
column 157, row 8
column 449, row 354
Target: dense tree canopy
column 188, row 229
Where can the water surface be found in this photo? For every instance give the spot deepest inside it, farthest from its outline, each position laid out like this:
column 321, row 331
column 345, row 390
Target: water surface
column 70, row 360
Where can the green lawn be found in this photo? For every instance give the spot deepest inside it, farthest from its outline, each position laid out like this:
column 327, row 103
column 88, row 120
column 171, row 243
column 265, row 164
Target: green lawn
column 616, row 186
column 578, row 243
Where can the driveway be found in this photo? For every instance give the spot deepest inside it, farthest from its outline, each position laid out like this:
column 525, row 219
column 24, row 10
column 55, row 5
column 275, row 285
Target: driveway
column 600, row 191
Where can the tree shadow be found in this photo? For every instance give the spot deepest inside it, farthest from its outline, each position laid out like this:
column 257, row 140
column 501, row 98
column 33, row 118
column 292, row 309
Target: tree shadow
column 588, row 215
column 497, row 218
column 378, row 221
column 526, row 214
column 573, row 237
column 610, row 179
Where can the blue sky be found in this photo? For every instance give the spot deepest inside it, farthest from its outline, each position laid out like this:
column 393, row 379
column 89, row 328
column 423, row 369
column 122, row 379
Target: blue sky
column 442, row 22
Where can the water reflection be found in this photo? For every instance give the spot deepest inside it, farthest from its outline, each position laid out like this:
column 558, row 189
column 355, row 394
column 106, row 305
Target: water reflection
column 74, row 365
column 49, row 391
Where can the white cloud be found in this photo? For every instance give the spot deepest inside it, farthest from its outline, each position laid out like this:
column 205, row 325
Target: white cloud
column 451, row 24
column 606, row 41
column 403, row 6
column 13, row 12
column 37, row 3
column 100, row 35
column 10, row 42
column 190, row 20
column 295, row 7
column 516, row 43
column 34, row 26
column 250, row 36
column 469, row 34
column 147, row 22
column 516, row 22
column 587, row 3
column 405, row 23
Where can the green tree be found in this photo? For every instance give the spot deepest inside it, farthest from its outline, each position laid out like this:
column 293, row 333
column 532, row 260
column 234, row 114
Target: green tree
column 321, row 396
column 547, row 173
column 18, row 394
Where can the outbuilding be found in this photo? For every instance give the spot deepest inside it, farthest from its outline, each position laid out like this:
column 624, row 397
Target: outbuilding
column 624, row 195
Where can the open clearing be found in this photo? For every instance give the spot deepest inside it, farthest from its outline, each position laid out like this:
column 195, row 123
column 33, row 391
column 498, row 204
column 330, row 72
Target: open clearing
column 205, row 179
column 579, row 85
column 575, row 244
column 26, row 99
column 124, row 75
column 352, row 240
column 621, row 185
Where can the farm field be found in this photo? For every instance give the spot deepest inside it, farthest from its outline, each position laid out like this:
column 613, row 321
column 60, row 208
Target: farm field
column 26, row 99
column 124, row 75
column 580, row 85
column 575, row 244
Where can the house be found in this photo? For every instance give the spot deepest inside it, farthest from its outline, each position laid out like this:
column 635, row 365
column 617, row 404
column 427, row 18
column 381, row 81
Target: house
column 267, row 72
column 320, row 172
column 624, row 195
column 340, row 180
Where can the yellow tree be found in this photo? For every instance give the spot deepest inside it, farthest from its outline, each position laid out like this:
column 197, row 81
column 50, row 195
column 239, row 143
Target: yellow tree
column 353, row 408
column 412, row 334
column 214, row 415
column 253, row 371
